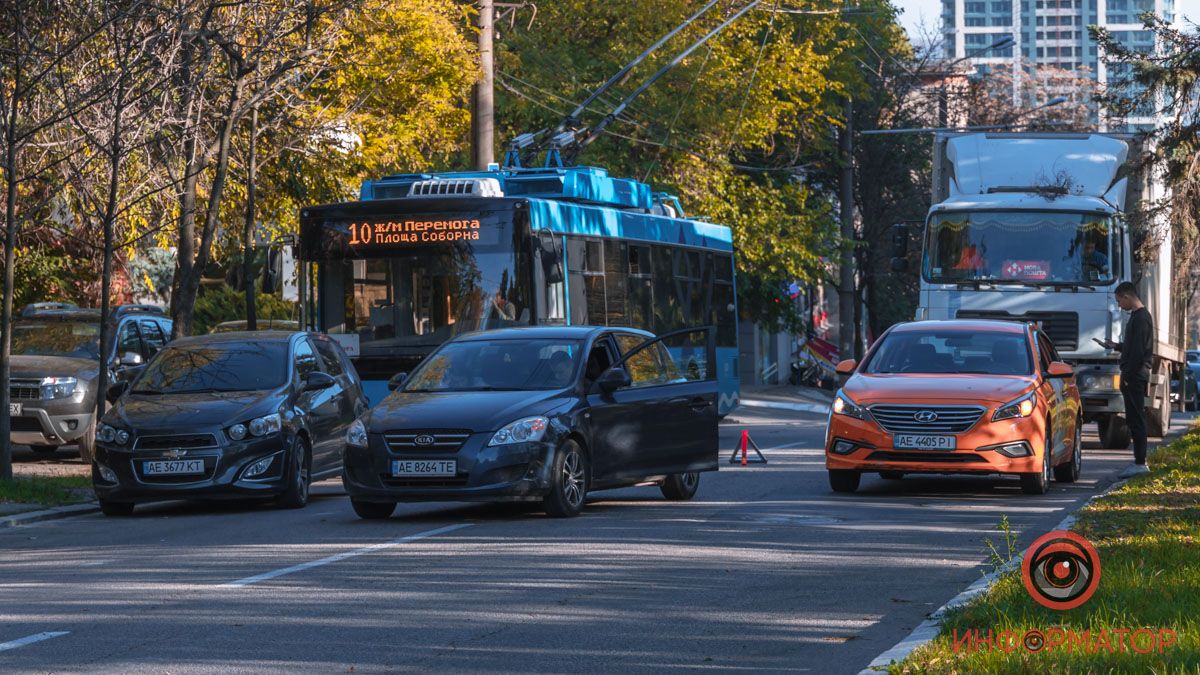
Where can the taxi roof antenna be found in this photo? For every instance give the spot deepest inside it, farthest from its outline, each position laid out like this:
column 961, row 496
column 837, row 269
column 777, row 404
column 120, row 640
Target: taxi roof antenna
column 585, row 137
column 571, row 121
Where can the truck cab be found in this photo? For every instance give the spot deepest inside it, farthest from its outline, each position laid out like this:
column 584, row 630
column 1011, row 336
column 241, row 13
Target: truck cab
column 1034, row 228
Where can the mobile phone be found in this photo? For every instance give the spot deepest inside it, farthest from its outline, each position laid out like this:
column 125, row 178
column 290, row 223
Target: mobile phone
column 1102, row 343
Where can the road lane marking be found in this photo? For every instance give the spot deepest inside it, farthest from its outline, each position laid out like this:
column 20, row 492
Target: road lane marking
column 342, row 556
column 5, row 646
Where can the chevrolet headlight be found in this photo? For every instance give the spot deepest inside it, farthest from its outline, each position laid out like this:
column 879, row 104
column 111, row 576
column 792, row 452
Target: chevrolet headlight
column 1022, row 407
column 58, row 387
column 357, row 434
column 527, row 430
column 260, row 426
column 844, row 405
column 113, row 435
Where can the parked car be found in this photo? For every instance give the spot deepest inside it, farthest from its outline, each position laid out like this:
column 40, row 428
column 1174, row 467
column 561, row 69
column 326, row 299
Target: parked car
column 959, row 396
column 539, row 414
column 55, row 363
column 1187, row 398
column 228, row 415
column 260, row 324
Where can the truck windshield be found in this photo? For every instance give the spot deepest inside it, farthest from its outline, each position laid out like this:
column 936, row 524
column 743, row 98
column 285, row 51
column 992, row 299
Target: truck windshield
column 1032, row 247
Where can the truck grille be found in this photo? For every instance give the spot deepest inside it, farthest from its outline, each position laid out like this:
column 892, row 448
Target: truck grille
column 1061, row 327
column 902, row 419
column 432, row 441
column 25, row 390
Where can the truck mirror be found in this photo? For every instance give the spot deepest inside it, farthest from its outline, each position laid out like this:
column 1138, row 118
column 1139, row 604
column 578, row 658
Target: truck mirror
column 899, row 265
column 899, row 241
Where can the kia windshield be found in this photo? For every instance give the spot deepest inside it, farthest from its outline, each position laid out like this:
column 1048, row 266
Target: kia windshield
column 952, row 353
column 78, row 339
column 498, row 365
column 1023, row 247
column 215, row 367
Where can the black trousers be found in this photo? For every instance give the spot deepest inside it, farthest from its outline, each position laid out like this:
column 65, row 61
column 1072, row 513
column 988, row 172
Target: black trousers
column 1133, row 390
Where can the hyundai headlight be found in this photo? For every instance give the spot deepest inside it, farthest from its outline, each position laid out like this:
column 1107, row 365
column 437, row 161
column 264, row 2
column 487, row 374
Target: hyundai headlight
column 357, row 434
column 58, row 387
column 1021, row 407
column 844, row 405
column 530, row 429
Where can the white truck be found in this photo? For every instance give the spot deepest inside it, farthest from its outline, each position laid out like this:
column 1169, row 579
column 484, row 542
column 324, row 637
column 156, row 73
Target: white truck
column 1034, row 227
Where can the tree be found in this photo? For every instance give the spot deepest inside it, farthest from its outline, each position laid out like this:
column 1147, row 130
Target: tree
column 1164, row 83
column 733, row 130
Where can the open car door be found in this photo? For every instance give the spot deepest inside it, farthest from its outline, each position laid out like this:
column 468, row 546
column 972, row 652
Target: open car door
column 674, row 376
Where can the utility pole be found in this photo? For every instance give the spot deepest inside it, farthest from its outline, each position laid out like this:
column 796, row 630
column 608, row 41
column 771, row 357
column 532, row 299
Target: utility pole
column 248, row 230
column 846, row 294
column 483, row 122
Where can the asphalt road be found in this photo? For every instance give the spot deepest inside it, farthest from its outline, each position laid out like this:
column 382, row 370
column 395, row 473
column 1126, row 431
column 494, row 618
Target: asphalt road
column 766, row 569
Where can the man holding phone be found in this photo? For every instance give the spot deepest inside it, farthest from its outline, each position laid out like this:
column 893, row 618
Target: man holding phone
column 1137, row 354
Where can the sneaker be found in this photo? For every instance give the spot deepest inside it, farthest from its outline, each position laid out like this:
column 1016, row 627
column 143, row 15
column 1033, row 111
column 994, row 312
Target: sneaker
column 1135, row 470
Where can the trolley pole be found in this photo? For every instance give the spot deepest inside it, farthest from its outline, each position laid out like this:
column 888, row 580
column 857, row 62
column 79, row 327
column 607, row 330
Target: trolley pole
column 483, row 121
column 846, row 294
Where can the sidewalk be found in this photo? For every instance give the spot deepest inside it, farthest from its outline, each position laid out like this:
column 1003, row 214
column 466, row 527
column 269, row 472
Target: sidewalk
column 786, row 397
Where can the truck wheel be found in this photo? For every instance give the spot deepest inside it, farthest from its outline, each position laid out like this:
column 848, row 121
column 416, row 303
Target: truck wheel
column 1114, row 433
column 1158, row 420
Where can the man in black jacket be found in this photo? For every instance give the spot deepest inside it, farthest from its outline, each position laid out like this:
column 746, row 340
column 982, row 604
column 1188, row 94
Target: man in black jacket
column 1137, row 354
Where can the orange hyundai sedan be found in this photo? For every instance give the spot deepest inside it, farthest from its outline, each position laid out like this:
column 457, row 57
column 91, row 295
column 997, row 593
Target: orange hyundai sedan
column 973, row 397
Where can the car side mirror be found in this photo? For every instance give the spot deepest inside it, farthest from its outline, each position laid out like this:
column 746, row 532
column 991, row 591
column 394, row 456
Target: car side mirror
column 846, row 366
column 317, row 380
column 1059, row 370
column 115, row 390
column 614, row 379
column 131, row 360
column 397, row 381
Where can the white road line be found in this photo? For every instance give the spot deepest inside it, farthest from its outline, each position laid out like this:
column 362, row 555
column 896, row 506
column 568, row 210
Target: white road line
column 342, row 556
column 821, row 408
column 5, row 646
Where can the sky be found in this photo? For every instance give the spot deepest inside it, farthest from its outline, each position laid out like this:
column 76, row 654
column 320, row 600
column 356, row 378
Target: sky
column 918, row 13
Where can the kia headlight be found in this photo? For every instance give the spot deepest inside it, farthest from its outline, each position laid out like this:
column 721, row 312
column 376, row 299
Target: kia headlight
column 357, row 434
column 58, row 387
column 1021, row 407
column 844, row 405
column 528, row 430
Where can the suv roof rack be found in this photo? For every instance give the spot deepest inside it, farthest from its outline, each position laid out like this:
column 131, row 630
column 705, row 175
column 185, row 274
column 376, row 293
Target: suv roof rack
column 36, row 307
column 122, row 310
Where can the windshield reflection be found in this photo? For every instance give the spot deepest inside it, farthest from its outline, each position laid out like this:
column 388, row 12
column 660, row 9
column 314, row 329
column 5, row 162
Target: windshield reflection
column 216, row 367
column 77, row 339
column 1034, row 247
column 498, row 365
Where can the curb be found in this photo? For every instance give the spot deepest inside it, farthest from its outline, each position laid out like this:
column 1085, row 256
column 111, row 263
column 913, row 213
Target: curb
column 56, row 513
column 780, row 405
column 931, row 627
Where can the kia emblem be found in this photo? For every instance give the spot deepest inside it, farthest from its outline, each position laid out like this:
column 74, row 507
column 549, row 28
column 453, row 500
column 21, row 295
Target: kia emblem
column 424, row 439
column 926, row 417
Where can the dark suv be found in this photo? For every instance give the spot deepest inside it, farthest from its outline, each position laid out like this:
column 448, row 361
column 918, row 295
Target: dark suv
column 55, row 363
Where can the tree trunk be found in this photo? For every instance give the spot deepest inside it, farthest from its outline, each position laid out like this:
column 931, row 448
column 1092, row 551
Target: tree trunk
column 248, row 232
column 10, row 242
column 110, row 214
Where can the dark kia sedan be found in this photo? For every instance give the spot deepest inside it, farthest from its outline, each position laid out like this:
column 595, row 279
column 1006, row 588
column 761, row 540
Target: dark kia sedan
column 540, row 414
column 228, row 415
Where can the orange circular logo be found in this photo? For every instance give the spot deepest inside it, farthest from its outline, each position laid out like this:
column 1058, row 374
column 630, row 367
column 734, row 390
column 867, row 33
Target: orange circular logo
column 1061, row 570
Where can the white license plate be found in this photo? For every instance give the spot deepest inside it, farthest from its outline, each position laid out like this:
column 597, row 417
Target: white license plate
column 14, row 409
column 424, row 467
column 173, row 467
column 923, row 442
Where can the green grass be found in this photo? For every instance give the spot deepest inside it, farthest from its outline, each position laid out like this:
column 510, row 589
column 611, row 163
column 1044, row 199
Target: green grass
column 48, row 490
column 1147, row 535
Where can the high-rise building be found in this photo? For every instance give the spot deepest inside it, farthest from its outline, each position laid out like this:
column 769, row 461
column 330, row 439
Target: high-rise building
column 1048, row 33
